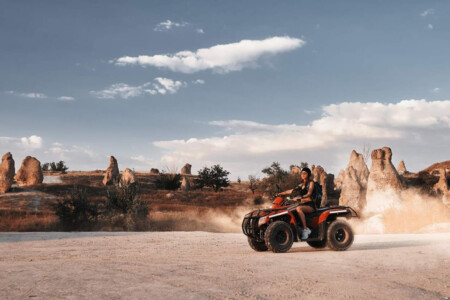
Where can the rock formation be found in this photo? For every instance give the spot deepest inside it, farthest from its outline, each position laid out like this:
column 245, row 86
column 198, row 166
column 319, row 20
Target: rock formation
column 354, row 182
column 401, row 169
column 112, row 174
column 154, row 171
column 295, row 170
column 186, row 170
column 441, row 187
column 128, row 177
column 185, row 183
column 320, row 176
column 339, row 180
column 384, row 183
column 30, row 172
column 7, row 171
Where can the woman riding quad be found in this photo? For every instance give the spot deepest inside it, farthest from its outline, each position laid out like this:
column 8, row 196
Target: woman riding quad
column 304, row 191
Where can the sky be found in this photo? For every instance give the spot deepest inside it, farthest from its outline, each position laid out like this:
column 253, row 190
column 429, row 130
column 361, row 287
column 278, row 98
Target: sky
column 159, row 84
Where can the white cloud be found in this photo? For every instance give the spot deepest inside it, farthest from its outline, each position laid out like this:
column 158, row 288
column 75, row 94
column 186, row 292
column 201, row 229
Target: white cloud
column 168, row 25
column 33, row 141
column 200, row 30
column 435, row 90
column 430, row 26
column 427, row 12
column 220, row 58
column 33, row 95
column 409, row 121
column 26, row 143
column 169, row 85
column 199, row 81
column 66, row 98
column 122, row 90
column 28, row 95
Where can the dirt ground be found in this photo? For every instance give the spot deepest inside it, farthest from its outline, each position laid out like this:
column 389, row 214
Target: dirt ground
column 201, row 265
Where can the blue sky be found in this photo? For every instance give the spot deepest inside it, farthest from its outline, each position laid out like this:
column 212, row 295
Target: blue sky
column 292, row 81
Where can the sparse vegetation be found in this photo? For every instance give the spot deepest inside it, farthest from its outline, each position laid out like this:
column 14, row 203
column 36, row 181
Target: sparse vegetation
column 124, row 207
column 168, row 181
column 215, row 177
column 253, row 183
column 75, row 212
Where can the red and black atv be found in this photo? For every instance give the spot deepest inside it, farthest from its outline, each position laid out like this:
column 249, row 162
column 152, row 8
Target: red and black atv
column 278, row 227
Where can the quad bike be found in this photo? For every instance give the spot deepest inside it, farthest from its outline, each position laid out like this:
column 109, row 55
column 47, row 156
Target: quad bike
column 278, row 227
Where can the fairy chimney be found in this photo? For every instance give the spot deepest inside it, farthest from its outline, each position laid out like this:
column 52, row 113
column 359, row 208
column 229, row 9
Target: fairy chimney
column 112, row 174
column 384, row 183
column 30, row 172
column 186, row 170
column 354, row 182
column 7, row 172
column 401, row 169
column 128, row 177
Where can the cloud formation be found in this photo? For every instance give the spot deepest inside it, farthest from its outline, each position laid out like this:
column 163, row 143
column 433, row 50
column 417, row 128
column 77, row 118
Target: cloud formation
column 28, row 95
column 168, row 25
column 66, row 98
column 160, row 85
column 340, row 124
column 219, row 58
column 427, row 12
column 27, row 143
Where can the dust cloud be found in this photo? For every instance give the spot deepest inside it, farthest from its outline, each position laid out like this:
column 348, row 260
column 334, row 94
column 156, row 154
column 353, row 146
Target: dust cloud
column 407, row 211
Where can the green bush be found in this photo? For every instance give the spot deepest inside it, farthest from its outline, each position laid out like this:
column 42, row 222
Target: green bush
column 168, row 181
column 75, row 212
column 124, row 207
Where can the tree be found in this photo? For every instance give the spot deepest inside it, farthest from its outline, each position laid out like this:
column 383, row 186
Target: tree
column 276, row 172
column 366, row 152
column 215, row 177
column 55, row 167
column 277, row 180
column 253, row 180
column 303, row 165
column 61, row 166
column 239, row 180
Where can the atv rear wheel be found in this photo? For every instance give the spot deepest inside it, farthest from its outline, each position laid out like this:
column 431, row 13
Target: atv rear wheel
column 257, row 246
column 318, row 244
column 340, row 235
column 279, row 237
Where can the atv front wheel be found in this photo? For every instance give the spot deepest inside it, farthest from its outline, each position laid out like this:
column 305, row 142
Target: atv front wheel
column 318, row 244
column 279, row 237
column 257, row 246
column 340, row 235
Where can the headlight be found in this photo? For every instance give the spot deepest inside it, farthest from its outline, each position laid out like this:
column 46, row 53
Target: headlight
column 262, row 221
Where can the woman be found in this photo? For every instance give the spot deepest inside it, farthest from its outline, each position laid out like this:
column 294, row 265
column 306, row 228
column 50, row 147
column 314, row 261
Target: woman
column 305, row 189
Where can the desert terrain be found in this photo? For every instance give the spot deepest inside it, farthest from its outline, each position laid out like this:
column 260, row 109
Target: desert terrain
column 202, row 265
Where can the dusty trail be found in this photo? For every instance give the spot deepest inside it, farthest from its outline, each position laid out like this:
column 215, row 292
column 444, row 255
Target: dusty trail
column 200, row 265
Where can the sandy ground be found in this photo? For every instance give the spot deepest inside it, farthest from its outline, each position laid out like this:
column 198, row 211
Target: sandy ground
column 200, row 265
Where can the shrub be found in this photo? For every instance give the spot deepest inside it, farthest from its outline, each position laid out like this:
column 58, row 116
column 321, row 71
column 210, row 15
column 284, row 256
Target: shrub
column 168, row 181
column 46, row 167
column 215, row 177
column 124, row 207
column 253, row 183
column 258, row 200
column 75, row 212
